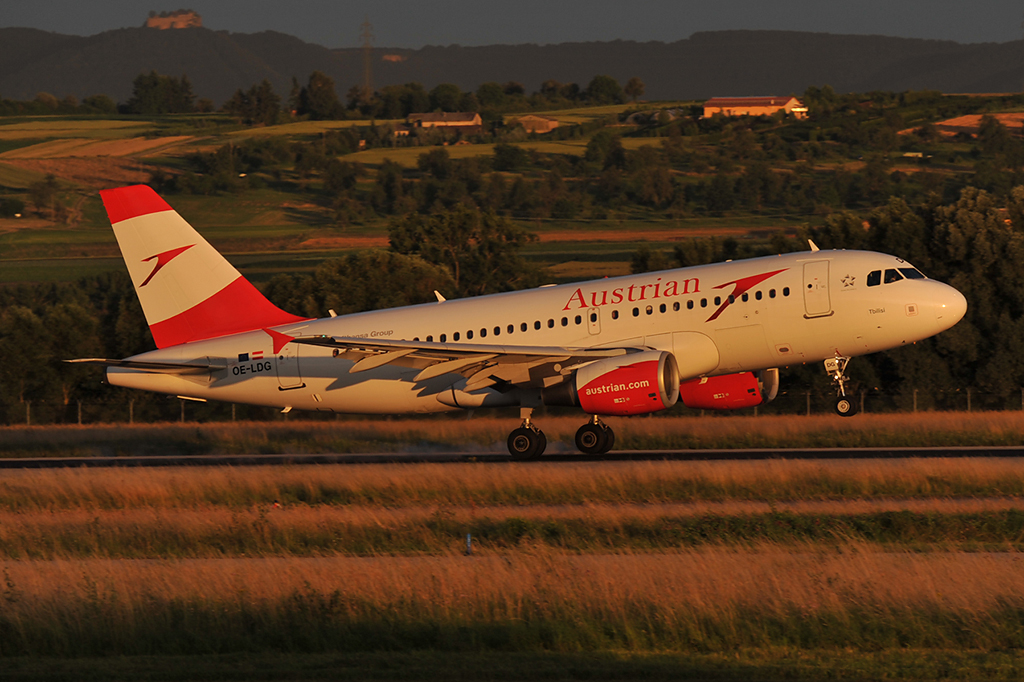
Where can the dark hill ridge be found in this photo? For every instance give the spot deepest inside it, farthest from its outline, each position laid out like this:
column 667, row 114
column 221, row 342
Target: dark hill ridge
column 706, row 64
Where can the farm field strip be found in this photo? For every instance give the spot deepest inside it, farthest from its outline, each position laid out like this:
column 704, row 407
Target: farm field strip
column 850, row 597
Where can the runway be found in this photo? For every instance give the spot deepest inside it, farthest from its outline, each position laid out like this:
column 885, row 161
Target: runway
column 413, row 457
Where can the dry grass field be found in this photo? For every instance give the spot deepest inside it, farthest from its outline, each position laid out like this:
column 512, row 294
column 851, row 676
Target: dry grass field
column 869, row 569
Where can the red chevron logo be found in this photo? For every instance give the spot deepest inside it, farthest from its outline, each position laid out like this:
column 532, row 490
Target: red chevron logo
column 163, row 259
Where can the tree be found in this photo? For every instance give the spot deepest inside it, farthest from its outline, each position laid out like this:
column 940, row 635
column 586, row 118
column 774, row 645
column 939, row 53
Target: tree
column 480, row 250
column 445, row 97
column 368, row 280
column 153, row 93
column 634, row 88
column 604, row 90
column 318, row 99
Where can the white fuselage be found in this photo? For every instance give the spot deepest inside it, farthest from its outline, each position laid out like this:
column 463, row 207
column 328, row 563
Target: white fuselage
column 788, row 309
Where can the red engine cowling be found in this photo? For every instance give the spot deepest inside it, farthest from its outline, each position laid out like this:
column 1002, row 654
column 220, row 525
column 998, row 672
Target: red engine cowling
column 726, row 392
column 630, row 384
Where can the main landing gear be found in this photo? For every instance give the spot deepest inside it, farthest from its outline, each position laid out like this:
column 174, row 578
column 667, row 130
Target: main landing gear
column 594, row 437
column 528, row 442
column 836, row 368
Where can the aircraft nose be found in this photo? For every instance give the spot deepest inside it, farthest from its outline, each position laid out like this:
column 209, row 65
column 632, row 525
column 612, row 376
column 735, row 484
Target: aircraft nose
column 953, row 306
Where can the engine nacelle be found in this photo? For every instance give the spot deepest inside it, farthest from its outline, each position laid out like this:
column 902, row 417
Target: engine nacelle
column 730, row 391
column 628, row 384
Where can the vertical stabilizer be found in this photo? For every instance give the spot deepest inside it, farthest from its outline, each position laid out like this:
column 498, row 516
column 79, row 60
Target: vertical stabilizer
column 188, row 291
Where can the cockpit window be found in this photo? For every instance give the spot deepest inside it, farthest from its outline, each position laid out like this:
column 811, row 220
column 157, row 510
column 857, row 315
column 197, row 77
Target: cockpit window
column 874, row 278
column 912, row 273
column 892, row 276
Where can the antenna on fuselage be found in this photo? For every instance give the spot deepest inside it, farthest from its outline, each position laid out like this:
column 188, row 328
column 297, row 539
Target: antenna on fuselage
column 440, row 298
column 814, row 247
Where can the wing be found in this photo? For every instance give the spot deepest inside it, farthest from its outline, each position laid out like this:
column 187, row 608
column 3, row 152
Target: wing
column 201, row 366
column 483, row 365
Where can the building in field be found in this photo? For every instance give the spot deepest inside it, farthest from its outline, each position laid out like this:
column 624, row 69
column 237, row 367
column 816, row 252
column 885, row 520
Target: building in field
column 445, row 119
column 754, row 106
column 535, row 124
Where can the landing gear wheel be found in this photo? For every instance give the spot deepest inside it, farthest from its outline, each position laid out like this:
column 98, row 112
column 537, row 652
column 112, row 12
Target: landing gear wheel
column 526, row 443
column 609, row 440
column 591, row 439
column 845, row 407
column 594, row 437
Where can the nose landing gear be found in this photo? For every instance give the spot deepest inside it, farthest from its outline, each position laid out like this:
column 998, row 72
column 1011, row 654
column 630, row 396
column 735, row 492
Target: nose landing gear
column 594, row 437
column 836, row 368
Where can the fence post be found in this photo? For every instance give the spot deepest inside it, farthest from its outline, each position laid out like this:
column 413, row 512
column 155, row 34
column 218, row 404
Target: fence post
column 968, row 400
column 233, row 411
column 808, row 394
column 915, row 399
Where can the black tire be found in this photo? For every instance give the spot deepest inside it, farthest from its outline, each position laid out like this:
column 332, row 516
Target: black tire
column 845, row 407
column 524, row 443
column 591, row 439
column 609, row 440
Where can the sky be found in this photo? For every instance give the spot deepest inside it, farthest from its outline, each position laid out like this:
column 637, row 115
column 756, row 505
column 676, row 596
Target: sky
column 416, row 23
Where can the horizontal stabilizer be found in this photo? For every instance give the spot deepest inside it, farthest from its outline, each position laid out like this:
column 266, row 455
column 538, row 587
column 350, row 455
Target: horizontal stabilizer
column 201, row 366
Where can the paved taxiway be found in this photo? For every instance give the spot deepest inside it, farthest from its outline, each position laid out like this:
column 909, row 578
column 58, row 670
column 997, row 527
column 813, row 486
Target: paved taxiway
column 490, row 456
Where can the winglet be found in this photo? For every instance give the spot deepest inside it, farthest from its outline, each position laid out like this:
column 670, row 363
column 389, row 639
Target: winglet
column 440, row 298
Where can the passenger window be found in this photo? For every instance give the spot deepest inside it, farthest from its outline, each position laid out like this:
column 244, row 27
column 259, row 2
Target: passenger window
column 636, row 312
column 551, row 324
column 732, row 299
column 703, row 303
column 593, row 317
column 912, row 273
column 746, row 297
column 455, row 336
column 416, row 338
column 689, row 305
column 758, row 295
column 615, row 314
column 650, row 309
column 536, row 324
column 483, row 332
column 469, row 334
column 578, row 320
column 874, row 278
column 771, row 293
column 892, row 276
column 523, row 327
column 718, row 300
column 675, row 306
column 565, row 321
column 444, row 337
column 497, row 330
column 785, row 291
column 662, row 307
column 430, row 339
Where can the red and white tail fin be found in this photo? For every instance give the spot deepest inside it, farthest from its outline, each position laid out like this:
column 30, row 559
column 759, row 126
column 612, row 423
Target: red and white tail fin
column 188, row 291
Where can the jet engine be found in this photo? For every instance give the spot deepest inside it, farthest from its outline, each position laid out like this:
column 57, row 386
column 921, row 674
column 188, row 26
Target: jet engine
column 730, row 391
column 628, row 384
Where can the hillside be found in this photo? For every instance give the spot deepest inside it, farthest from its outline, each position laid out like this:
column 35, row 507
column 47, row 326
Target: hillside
column 703, row 65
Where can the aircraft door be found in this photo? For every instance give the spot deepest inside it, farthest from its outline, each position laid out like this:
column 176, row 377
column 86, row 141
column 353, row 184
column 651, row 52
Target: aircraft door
column 594, row 321
column 816, row 296
column 288, row 374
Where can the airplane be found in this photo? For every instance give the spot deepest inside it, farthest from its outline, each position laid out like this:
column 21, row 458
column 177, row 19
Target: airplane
column 712, row 336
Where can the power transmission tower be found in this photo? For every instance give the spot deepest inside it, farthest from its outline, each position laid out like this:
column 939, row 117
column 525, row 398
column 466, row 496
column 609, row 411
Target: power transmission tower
column 366, row 35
